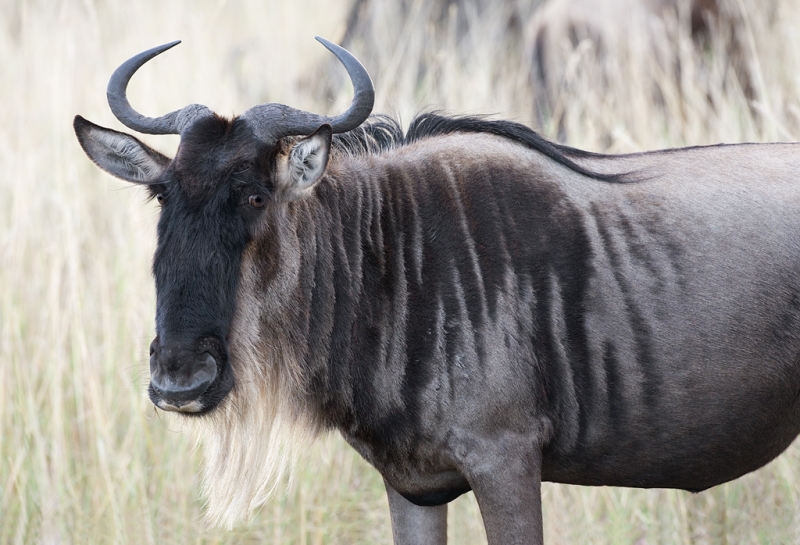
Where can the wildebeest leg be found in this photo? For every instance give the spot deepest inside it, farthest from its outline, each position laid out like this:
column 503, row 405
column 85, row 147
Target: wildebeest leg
column 507, row 484
column 415, row 525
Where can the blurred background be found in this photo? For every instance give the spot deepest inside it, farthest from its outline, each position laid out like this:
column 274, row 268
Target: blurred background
column 84, row 458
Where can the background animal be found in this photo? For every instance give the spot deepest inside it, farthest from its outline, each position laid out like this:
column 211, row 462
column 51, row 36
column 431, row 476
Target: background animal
column 580, row 56
column 657, row 42
column 83, row 456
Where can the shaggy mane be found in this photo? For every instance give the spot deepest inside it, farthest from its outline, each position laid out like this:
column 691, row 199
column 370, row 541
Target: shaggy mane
column 381, row 133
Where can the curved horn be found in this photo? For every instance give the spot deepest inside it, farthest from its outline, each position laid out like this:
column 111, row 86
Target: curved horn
column 363, row 90
column 273, row 121
column 172, row 123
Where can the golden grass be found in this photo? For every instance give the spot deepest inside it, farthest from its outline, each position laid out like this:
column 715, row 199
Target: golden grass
column 83, row 456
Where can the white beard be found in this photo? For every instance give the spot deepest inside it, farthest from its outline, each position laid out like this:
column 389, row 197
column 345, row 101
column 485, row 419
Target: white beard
column 256, row 436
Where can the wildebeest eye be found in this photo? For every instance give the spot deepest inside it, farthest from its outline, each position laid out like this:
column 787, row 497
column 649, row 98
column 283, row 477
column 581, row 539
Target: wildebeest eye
column 256, row 201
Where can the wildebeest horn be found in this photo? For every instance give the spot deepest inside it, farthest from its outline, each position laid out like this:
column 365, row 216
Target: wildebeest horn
column 171, row 123
column 268, row 121
column 273, row 121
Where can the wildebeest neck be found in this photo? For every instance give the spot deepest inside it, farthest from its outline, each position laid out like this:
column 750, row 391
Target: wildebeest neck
column 416, row 256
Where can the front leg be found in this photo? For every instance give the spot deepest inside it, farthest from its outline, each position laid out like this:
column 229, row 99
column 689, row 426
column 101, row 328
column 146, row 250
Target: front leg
column 415, row 525
column 506, row 476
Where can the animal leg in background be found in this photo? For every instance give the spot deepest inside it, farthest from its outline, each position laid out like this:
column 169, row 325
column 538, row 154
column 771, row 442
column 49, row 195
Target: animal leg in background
column 416, row 525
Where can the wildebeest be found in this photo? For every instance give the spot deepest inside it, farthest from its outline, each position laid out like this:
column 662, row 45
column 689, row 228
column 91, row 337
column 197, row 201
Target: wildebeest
column 471, row 306
column 624, row 49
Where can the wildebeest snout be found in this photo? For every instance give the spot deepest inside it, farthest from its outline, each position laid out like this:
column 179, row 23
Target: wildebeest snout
column 180, row 375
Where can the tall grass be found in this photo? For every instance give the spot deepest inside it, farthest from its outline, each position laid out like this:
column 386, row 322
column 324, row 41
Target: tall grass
column 83, row 456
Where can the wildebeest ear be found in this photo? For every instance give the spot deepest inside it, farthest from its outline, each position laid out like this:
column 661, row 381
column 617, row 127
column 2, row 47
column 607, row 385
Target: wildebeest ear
column 305, row 164
column 120, row 154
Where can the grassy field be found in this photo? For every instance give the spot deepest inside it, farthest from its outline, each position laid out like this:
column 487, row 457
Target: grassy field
column 84, row 458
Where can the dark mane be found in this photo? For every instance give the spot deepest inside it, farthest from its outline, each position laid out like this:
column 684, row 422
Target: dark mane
column 382, row 133
column 378, row 134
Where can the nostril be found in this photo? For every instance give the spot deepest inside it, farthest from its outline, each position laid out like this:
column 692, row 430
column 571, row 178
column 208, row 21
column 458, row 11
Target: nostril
column 206, row 366
column 208, row 358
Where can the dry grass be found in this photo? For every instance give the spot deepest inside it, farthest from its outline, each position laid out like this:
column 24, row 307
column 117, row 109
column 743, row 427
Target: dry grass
column 83, row 457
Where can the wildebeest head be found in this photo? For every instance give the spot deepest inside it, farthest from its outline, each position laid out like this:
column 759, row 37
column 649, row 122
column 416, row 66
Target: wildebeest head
column 215, row 196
